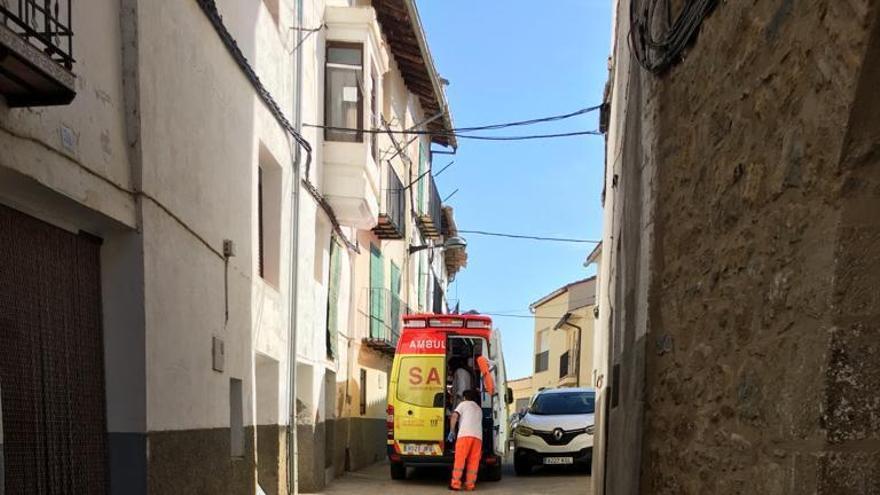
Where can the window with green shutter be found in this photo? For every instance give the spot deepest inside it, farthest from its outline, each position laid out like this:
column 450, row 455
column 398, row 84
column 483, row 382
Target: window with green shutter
column 396, row 305
column 422, row 282
column 377, row 286
column 333, row 298
column 423, row 166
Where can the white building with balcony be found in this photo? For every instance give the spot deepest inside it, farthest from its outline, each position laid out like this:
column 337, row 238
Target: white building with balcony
column 368, row 76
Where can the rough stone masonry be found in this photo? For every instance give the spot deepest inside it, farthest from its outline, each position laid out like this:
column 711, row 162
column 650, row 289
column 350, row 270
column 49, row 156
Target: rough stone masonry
column 765, row 268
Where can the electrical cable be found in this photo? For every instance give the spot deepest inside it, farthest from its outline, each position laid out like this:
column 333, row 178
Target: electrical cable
column 659, row 43
column 456, row 131
column 501, row 315
column 529, row 237
column 444, row 168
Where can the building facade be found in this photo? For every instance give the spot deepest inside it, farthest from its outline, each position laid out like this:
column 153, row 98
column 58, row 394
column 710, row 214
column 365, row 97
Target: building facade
column 738, row 275
column 370, row 80
column 171, row 234
column 564, row 336
column 522, row 394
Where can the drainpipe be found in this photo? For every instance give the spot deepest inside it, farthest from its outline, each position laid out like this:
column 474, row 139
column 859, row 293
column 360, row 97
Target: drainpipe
column 293, row 285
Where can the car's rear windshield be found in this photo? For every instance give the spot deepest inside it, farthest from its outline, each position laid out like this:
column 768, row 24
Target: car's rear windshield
column 564, row 403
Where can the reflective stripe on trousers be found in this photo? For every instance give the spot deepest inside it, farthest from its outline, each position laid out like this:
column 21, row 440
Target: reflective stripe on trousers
column 467, row 454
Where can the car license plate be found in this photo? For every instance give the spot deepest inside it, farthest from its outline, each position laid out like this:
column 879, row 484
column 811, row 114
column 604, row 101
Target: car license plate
column 558, row 460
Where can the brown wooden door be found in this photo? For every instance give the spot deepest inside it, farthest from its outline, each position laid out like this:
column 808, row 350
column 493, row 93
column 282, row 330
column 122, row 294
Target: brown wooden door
column 51, row 359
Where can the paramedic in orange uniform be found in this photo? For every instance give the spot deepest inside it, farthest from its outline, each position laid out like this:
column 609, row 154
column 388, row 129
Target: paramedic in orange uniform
column 469, row 446
column 486, row 373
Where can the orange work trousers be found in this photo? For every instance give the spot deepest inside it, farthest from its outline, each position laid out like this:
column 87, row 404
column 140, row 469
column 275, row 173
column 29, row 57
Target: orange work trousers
column 467, row 461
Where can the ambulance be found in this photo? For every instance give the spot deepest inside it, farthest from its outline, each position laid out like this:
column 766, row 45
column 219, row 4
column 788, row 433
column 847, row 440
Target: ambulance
column 420, row 399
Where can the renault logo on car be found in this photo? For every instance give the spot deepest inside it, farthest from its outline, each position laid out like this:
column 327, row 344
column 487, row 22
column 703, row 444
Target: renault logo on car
column 557, row 434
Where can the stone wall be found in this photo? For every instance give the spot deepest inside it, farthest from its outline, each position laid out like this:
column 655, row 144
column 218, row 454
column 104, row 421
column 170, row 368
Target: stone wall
column 761, row 351
column 199, row 462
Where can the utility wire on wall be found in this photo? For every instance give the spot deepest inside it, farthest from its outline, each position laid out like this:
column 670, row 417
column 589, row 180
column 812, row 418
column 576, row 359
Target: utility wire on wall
column 657, row 41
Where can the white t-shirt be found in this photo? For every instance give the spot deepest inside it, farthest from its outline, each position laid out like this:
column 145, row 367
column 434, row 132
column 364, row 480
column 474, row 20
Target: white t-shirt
column 470, row 420
column 461, row 381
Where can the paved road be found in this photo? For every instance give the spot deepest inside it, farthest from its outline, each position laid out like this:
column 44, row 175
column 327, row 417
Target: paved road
column 374, row 480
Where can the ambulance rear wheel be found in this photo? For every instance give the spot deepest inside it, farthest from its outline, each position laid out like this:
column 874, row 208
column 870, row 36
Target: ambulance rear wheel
column 492, row 473
column 398, row 471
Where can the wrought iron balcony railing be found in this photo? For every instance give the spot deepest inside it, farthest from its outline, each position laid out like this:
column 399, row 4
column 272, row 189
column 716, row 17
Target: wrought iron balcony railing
column 44, row 24
column 380, row 317
column 392, row 223
column 430, row 220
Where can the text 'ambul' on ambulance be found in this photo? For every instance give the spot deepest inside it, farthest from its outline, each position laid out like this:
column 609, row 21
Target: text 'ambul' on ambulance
column 421, row 395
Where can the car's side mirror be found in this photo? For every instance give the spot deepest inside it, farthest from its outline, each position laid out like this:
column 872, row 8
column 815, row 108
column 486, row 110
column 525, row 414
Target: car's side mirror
column 438, row 399
column 508, row 397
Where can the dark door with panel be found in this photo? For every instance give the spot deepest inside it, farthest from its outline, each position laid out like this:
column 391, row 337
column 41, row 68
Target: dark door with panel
column 51, row 359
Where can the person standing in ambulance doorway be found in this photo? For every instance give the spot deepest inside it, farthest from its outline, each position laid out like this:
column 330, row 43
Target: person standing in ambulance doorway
column 469, row 445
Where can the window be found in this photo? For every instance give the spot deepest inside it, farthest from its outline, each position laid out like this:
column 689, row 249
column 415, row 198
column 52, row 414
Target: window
column 343, row 106
column 542, row 356
column 363, row 391
column 261, row 241
column 377, row 294
column 236, row 418
column 268, row 218
column 563, row 364
column 374, row 117
column 542, row 361
column 333, row 298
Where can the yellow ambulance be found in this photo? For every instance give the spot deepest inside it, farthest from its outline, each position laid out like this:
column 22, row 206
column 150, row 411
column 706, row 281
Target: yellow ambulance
column 419, row 394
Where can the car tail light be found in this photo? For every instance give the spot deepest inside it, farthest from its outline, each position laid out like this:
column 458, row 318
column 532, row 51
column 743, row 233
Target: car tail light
column 389, row 421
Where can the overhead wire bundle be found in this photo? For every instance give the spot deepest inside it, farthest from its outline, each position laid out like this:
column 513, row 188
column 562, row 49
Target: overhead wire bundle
column 658, row 42
column 463, row 132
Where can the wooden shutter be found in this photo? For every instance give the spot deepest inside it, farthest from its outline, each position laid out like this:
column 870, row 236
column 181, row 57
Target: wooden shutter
column 395, row 302
column 423, row 165
column 377, row 285
column 333, row 298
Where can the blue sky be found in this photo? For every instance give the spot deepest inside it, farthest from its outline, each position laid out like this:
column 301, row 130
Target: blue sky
column 511, row 61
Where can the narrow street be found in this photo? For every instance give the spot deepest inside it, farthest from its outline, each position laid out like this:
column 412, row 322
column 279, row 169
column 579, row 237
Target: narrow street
column 374, row 480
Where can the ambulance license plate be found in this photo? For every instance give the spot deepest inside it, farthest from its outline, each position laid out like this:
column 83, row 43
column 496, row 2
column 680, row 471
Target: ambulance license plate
column 558, row 460
column 418, row 449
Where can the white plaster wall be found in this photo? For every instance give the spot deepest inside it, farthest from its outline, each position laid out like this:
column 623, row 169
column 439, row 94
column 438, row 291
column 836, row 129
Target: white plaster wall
column 96, row 171
column 200, row 167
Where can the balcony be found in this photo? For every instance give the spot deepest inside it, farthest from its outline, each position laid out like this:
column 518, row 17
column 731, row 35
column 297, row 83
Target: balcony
column 351, row 183
column 429, row 219
column 392, row 219
column 381, row 318
column 36, row 53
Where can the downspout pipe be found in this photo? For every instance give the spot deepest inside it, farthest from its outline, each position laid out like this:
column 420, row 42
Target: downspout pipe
column 293, row 285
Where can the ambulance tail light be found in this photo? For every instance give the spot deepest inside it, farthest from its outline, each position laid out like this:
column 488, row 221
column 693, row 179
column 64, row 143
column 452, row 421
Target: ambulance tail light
column 478, row 324
column 389, row 421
